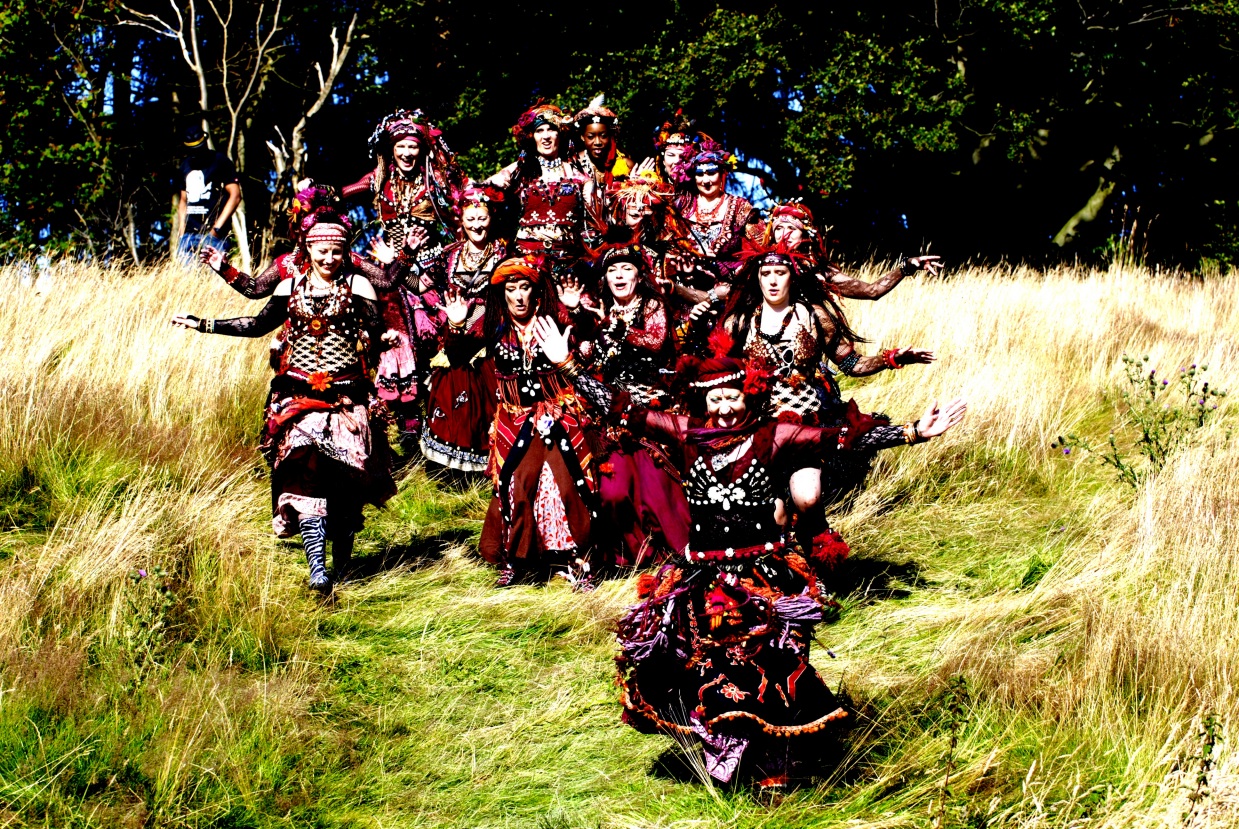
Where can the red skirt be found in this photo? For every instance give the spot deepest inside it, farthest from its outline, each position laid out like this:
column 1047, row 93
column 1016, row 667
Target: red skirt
column 459, row 411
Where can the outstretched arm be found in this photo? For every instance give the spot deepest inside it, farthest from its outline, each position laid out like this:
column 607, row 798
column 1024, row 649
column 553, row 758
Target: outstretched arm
column 250, row 287
column 271, row 317
column 867, row 433
column 854, row 288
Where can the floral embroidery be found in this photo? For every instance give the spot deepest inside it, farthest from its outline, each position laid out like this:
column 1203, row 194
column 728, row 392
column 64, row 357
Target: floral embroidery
column 733, row 693
column 319, row 380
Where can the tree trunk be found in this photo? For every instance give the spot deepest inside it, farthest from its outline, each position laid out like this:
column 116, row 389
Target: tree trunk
column 1091, row 208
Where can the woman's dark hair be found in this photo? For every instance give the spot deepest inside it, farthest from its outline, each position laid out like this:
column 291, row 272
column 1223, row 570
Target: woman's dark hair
column 805, row 290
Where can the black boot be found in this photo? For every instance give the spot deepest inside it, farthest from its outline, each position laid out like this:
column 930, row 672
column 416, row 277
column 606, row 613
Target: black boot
column 314, row 539
column 342, row 557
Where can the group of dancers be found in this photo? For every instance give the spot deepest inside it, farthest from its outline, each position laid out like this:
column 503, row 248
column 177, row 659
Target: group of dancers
column 640, row 362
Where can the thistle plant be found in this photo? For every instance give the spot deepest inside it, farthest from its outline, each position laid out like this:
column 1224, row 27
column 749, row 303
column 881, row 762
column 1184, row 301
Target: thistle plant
column 149, row 599
column 1159, row 416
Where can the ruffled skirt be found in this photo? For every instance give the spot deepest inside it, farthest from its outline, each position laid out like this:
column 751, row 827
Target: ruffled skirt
column 719, row 653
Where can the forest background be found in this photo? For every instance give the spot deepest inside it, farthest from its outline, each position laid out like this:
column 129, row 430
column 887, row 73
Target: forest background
column 1030, row 130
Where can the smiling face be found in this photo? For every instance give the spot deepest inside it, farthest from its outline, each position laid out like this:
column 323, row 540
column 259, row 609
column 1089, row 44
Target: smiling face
column 636, row 210
column 406, row 152
column 710, row 185
column 787, row 232
column 476, row 221
column 597, row 138
column 622, row 280
column 776, row 284
column 546, row 141
column 519, row 297
column 326, row 257
column 672, row 153
column 725, row 406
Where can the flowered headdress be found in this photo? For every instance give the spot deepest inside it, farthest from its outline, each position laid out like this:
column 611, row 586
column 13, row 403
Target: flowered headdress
column 483, row 195
column 398, row 126
column 535, row 117
column 596, row 113
column 437, row 162
column 305, row 203
column 678, row 129
column 755, row 255
column 529, row 267
column 711, row 156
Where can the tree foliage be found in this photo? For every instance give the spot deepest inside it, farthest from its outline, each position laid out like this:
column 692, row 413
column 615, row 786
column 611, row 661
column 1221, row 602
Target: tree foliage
column 1018, row 128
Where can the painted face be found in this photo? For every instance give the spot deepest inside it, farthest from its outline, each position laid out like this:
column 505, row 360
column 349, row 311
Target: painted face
column 787, row 232
column 725, row 406
column 776, row 284
column 711, row 184
column 597, row 138
column 622, row 280
column 546, row 141
column 326, row 257
column 672, row 153
column 636, row 210
column 406, row 152
column 476, row 221
column 518, row 293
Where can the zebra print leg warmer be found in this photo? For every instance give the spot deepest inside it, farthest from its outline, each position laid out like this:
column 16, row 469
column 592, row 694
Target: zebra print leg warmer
column 314, row 539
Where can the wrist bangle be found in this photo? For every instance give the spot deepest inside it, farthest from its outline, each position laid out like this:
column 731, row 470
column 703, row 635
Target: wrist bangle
column 713, row 296
column 889, row 356
column 206, row 326
column 568, row 366
column 907, row 268
column 916, row 432
column 909, row 433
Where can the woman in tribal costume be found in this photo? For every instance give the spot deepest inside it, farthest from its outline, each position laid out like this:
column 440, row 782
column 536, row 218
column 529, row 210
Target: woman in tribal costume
column 541, row 464
column 547, row 189
column 784, row 323
column 415, row 185
column 597, row 127
column 632, row 348
column 327, row 448
column 460, row 405
column 718, row 648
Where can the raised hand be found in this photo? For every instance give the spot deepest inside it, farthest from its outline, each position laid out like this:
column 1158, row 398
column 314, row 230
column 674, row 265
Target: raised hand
column 187, row 321
column 700, row 310
column 914, row 356
column 213, row 258
column 554, row 342
column 382, row 252
column 455, row 306
column 570, row 291
column 931, row 264
column 937, row 420
column 648, row 165
column 415, row 238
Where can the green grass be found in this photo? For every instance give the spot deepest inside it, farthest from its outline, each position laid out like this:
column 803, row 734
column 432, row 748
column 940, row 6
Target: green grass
column 1090, row 623
column 426, row 698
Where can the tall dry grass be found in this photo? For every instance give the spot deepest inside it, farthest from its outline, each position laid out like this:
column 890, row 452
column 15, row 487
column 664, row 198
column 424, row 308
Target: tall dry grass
column 1130, row 635
column 127, row 444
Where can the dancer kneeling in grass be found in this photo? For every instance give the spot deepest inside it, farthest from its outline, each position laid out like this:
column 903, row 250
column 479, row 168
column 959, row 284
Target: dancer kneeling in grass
column 718, row 648
column 328, row 453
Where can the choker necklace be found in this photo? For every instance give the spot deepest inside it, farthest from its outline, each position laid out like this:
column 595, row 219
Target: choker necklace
column 550, row 163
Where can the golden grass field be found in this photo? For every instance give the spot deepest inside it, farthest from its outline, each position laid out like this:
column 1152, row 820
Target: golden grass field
column 1094, row 625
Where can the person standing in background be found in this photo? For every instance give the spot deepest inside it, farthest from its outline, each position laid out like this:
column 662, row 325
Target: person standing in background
column 210, row 194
